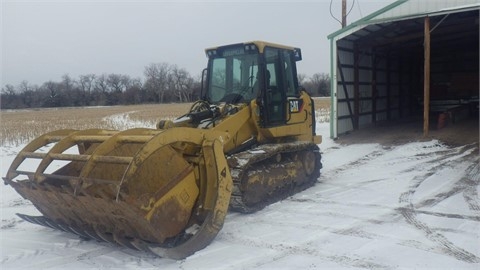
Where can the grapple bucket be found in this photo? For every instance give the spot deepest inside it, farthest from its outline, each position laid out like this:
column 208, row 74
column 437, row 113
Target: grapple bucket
column 141, row 188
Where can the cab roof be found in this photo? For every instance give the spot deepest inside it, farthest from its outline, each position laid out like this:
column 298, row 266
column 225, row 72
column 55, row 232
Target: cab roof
column 260, row 45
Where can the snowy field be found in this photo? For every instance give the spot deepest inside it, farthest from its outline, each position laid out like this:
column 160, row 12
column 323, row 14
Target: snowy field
column 414, row 205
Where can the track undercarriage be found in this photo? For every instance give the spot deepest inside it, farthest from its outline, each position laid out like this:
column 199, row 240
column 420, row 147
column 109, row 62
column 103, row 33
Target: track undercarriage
column 272, row 172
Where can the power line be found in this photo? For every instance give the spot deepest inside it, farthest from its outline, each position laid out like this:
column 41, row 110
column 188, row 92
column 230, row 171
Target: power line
column 359, row 9
column 331, row 14
column 351, row 7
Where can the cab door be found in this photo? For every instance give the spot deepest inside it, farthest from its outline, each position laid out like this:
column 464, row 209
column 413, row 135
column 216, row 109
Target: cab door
column 280, row 84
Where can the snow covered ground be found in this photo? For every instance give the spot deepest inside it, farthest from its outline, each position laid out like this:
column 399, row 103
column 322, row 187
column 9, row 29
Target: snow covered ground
column 374, row 207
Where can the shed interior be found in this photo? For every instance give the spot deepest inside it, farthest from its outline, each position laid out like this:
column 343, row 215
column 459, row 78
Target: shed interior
column 380, row 71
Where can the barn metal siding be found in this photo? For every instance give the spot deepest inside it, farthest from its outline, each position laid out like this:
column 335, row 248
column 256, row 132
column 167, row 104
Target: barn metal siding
column 345, row 77
column 378, row 83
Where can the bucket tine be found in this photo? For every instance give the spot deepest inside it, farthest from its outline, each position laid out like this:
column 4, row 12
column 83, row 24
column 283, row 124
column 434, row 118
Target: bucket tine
column 137, row 188
column 33, row 146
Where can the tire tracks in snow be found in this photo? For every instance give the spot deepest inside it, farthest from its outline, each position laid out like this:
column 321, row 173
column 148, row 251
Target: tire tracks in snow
column 410, row 211
column 430, row 162
column 359, row 162
column 305, row 248
column 472, row 181
column 59, row 261
column 354, row 230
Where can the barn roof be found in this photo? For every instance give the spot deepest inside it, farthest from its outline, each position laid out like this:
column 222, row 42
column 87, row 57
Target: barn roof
column 407, row 9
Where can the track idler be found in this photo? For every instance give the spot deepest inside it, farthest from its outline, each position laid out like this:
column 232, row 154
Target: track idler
column 165, row 191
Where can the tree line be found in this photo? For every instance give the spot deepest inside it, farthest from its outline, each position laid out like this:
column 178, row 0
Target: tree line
column 162, row 83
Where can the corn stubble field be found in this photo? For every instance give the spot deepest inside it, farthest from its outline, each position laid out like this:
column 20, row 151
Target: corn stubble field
column 21, row 126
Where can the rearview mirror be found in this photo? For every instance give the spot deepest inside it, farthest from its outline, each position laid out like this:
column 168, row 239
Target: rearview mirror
column 298, row 54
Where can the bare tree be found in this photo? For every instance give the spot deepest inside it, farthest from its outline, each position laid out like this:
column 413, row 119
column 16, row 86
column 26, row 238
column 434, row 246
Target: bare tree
column 71, row 95
column 118, row 85
column 27, row 94
column 53, row 92
column 101, row 84
column 157, row 76
column 318, row 84
column 9, row 98
column 163, row 82
column 101, row 89
column 86, row 84
column 322, row 82
column 134, row 94
column 301, row 78
column 182, row 84
column 68, row 83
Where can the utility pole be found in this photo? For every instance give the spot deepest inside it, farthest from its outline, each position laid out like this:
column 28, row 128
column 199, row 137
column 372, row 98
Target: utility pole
column 344, row 13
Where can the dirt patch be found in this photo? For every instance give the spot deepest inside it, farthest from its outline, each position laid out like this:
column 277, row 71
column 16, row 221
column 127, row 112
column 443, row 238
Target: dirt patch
column 401, row 132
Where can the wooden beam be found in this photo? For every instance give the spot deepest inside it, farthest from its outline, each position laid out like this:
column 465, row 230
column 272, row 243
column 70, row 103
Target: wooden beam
column 374, row 87
column 389, row 88
column 401, row 68
column 426, row 77
column 345, row 90
column 356, row 87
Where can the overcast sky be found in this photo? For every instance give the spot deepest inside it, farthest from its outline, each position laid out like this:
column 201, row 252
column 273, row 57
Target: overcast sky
column 43, row 40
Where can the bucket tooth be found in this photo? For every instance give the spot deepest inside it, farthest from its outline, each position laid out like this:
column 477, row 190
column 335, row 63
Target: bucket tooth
column 53, row 225
column 139, row 244
column 64, row 228
column 78, row 232
column 107, row 237
column 123, row 241
column 93, row 235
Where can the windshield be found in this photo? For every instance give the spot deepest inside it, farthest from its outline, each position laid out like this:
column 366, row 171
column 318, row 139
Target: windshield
column 233, row 78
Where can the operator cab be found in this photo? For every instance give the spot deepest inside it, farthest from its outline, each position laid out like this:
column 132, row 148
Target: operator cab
column 260, row 71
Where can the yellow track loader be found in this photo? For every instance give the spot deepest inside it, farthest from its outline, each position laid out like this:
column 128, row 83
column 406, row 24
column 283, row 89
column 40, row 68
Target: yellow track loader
column 247, row 142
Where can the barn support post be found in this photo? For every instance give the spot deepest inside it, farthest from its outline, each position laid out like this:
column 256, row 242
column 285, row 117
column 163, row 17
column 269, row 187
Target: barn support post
column 426, row 77
column 356, row 87
column 389, row 88
column 374, row 87
column 400, row 84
